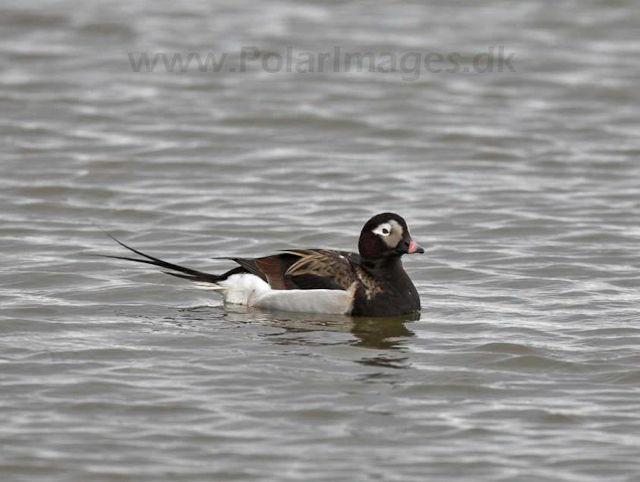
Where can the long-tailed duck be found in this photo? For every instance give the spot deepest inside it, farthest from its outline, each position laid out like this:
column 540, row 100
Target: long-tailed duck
column 371, row 283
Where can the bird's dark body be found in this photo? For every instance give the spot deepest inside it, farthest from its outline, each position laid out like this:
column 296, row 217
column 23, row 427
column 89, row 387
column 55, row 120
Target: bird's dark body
column 392, row 292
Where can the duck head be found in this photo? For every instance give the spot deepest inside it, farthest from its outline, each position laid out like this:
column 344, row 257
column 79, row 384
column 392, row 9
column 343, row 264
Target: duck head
column 386, row 235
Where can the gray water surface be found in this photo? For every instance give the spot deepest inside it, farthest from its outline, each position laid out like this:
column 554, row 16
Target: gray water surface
column 523, row 186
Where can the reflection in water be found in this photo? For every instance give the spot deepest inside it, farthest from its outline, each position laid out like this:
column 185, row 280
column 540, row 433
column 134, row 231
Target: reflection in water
column 382, row 332
column 375, row 333
column 371, row 332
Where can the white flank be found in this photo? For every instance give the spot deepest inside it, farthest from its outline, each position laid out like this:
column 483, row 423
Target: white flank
column 250, row 290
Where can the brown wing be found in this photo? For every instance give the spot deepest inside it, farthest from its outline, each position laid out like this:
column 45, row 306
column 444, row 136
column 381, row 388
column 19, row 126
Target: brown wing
column 304, row 269
column 270, row 268
column 322, row 269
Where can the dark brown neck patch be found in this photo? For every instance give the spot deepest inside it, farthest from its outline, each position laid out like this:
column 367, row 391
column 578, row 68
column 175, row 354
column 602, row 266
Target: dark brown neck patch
column 368, row 245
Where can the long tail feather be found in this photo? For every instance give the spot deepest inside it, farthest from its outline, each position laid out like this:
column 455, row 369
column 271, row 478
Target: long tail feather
column 182, row 271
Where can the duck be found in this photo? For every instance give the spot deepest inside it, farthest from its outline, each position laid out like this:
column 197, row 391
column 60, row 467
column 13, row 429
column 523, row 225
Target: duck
column 370, row 283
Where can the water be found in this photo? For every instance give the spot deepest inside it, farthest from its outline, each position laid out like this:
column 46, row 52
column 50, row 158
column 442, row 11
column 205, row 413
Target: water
column 523, row 186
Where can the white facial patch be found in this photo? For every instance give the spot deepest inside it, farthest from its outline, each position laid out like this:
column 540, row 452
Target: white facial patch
column 383, row 229
column 390, row 232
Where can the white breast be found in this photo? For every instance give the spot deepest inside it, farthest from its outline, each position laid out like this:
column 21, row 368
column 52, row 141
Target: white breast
column 250, row 290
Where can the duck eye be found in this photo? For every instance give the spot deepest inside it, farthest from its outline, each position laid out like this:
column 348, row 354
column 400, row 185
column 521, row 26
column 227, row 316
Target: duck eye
column 383, row 230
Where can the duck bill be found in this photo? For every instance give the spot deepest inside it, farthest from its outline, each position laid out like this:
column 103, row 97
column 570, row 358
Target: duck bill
column 408, row 247
column 414, row 248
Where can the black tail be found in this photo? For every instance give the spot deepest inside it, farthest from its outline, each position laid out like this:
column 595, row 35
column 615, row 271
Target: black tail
column 185, row 273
